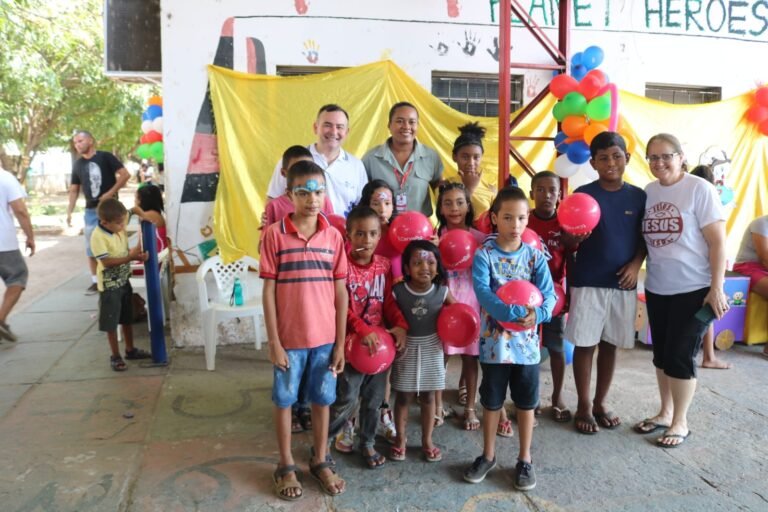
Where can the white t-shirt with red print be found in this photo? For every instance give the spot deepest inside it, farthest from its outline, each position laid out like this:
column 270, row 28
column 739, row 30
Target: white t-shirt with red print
column 678, row 254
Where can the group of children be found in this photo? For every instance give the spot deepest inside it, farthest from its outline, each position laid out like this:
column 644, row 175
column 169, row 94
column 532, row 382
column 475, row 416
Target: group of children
column 355, row 285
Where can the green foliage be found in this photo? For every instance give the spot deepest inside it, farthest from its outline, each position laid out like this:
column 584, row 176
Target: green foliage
column 52, row 81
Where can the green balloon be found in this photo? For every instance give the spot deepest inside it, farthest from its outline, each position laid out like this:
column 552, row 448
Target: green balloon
column 575, row 104
column 157, row 152
column 599, row 109
column 144, row 151
column 558, row 111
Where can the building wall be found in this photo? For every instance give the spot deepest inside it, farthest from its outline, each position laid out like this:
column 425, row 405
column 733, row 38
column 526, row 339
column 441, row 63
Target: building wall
column 719, row 43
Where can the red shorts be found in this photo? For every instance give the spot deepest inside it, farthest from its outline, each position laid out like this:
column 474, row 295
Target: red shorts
column 753, row 269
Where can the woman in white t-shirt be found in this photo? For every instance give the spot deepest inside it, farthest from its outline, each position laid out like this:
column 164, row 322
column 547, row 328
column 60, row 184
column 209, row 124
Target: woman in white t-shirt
column 684, row 231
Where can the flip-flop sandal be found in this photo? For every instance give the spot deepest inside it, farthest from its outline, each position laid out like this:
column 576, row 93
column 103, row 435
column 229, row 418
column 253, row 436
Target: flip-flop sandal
column 305, row 418
column 137, row 353
column 605, row 420
column 282, row 485
column 561, row 415
column 681, row 437
column 296, row 427
column 470, row 424
column 504, row 429
column 117, row 363
column 648, row 426
column 589, row 420
column 432, row 454
column 375, row 460
column 442, row 413
column 396, row 453
column 327, row 484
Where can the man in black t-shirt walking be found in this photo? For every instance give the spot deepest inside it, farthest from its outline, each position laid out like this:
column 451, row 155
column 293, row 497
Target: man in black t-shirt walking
column 100, row 175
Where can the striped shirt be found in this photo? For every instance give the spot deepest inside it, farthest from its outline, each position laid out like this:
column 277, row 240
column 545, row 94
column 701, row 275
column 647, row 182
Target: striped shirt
column 304, row 271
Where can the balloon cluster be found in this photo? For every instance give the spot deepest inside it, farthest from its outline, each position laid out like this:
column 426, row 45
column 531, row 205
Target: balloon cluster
column 588, row 106
column 152, row 127
column 758, row 113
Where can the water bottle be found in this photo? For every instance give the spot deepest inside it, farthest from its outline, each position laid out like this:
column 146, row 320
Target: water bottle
column 237, row 292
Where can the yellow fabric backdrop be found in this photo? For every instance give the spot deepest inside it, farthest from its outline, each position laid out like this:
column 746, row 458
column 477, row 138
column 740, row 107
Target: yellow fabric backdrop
column 258, row 116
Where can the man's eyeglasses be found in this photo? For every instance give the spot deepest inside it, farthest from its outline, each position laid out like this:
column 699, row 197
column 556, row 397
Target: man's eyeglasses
column 664, row 157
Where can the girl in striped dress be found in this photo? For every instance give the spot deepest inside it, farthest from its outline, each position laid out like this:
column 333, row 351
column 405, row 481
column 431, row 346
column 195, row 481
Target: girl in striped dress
column 419, row 369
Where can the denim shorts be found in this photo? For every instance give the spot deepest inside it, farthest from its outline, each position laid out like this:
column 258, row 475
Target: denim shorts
column 522, row 380
column 321, row 381
column 91, row 222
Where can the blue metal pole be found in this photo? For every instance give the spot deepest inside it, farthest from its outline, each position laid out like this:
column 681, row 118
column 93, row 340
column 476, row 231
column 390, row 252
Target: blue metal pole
column 154, row 295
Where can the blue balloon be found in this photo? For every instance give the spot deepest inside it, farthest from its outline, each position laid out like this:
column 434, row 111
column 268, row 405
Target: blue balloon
column 578, row 152
column 560, row 144
column 145, row 116
column 576, row 59
column 153, row 111
column 578, row 72
column 592, row 57
column 568, row 351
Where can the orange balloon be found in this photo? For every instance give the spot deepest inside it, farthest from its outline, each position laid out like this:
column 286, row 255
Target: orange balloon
column 591, row 131
column 573, row 126
column 155, row 100
column 630, row 141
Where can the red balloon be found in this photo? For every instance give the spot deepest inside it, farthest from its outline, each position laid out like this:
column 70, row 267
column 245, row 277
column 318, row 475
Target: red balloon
column 761, row 96
column 153, row 136
column 562, row 85
column 359, row 355
column 519, row 293
column 143, row 139
column 532, row 238
column 578, row 213
column 763, row 127
column 757, row 114
column 339, row 223
column 560, row 304
column 591, row 84
column 458, row 325
column 407, row 227
column 457, row 248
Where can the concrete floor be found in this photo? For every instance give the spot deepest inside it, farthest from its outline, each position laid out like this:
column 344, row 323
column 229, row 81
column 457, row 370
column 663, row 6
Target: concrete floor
column 75, row 436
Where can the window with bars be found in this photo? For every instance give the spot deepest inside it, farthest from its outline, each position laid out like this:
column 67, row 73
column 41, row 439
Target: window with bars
column 473, row 93
column 683, row 94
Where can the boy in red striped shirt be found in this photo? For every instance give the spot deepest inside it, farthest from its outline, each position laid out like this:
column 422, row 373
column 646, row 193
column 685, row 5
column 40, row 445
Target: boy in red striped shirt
column 305, row 309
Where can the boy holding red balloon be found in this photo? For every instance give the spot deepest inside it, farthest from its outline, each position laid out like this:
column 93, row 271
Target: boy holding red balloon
column 602, row 278
column 545, row 192
column 509, row 343
column 304, row 269
column 371, row 305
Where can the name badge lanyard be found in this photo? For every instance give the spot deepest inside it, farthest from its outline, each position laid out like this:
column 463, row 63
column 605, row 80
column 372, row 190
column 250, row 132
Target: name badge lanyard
column 401, row 201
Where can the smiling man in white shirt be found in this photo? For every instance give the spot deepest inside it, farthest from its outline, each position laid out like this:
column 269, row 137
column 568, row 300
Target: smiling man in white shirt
column 345, row 175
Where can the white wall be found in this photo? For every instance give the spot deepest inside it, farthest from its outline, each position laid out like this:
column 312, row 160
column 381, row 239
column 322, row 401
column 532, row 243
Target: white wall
column 699, row 42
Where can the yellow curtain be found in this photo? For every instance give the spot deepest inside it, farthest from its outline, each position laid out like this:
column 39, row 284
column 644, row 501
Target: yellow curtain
column 259, row 116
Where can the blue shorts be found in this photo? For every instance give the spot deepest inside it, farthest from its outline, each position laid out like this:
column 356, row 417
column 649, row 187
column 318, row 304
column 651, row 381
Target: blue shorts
column 321, row 382
column 91, row 223
column 522, row 380
column 552, row 334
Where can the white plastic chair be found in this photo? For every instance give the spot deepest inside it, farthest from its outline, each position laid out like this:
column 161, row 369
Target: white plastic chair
column 215, row 309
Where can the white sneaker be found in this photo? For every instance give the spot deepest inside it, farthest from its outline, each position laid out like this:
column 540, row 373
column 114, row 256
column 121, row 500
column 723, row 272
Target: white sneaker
column 345, row 441
column 387, row 426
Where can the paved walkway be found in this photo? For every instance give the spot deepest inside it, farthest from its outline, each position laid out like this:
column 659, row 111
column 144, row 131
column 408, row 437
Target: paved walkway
column 75, row 436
